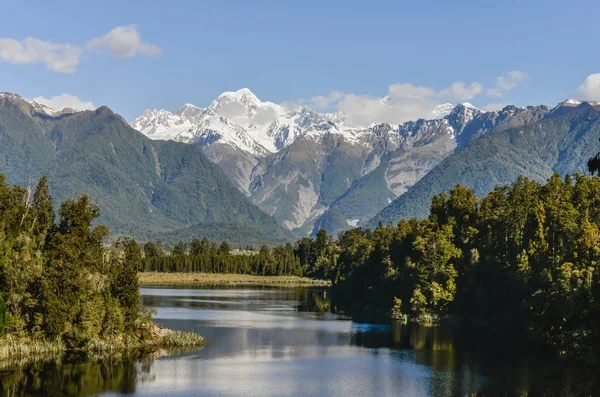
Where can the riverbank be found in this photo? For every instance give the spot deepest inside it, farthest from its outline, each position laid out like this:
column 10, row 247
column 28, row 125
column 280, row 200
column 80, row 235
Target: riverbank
column 157, row 278
column 14, row 347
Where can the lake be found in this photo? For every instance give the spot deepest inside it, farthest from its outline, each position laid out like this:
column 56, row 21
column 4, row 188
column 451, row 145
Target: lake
column 268, row 341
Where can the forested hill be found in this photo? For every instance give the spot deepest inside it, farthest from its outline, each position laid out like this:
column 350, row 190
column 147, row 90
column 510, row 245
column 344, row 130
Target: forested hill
column 145, row 188
column 557, row 143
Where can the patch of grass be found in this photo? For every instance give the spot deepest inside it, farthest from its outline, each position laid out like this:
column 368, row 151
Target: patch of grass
column 181, row 339
column 157, row 278
column 11, row 346
column 16, row 348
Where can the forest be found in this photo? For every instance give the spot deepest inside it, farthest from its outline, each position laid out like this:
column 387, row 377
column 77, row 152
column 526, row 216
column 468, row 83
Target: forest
column 522, row 259
column 204, row 256
column 60, row 286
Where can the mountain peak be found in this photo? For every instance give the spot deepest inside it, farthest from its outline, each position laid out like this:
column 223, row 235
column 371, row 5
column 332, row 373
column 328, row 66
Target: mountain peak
column 570, row 102
column 33, row 105
column 243, row 95
column 187, row 106
column 469, row 106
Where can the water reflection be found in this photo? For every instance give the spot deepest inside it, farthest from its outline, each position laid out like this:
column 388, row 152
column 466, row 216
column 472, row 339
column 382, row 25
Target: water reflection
column 287, row 342
column 76, row 376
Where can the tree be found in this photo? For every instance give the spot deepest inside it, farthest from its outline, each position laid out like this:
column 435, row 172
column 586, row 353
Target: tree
column 179, row 248
column 593, row 164
column 125, row 285
column 224, row 248
column 154, row 249
column 195, row 247
column 43, row 212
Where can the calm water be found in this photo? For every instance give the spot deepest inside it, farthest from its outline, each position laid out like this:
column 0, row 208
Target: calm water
column 281, row 342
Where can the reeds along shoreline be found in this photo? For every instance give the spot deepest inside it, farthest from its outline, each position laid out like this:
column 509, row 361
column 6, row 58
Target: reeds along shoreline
column 14, row 347
column 158, row 278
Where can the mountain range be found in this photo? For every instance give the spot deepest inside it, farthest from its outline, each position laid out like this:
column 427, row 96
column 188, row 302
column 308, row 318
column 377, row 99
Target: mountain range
column 309, row 169
column 145, row 188
column 558, row 140
column 313, row 170
column 256, row 172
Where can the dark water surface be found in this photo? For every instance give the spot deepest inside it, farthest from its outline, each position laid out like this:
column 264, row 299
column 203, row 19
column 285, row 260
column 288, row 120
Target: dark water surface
column 284, row 342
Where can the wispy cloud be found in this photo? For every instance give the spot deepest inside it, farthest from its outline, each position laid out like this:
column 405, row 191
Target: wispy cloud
column 506, row 83
column 63, row 101
column 123, row 42
column 490, row 107
column 62, row 58
column 459, row 91
column 321, row 102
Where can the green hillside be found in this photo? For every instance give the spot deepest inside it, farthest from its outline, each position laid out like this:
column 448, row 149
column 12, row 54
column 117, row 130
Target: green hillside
column 145, row 188
column 557, row 143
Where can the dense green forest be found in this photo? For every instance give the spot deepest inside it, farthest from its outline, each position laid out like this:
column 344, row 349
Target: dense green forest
column 524, row 258
column 58, row 283
column 204, row 256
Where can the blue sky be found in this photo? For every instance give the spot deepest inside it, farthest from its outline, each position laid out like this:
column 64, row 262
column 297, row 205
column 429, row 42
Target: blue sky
column 191, row 51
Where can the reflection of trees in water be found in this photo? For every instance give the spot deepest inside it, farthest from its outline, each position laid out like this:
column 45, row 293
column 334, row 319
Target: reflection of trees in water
column 491, row 365
column 314, row 300
column 77, row 375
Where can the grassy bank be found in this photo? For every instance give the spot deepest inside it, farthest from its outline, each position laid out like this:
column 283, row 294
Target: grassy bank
column 156, row 278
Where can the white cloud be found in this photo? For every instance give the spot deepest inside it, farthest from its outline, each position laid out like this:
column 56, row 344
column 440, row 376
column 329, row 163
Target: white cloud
column 404, row 102
column 324, row 102
column 293, row 104
column 406, row 91
column 62, row 58
column 590, row 89
column 490, row 107
column 123, row 42
column 63, row 101
column 507, row 82
column 460, row 92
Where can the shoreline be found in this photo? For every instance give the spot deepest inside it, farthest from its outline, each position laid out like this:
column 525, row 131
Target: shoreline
column 12, row 347
column 159, row 278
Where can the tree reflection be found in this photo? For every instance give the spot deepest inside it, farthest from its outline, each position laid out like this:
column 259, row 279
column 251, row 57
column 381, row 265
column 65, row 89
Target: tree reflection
column 78, row 375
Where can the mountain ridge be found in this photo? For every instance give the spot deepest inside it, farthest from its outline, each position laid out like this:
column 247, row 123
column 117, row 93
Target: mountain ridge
column 558, row 142
column 298, row 137
column 144, row 187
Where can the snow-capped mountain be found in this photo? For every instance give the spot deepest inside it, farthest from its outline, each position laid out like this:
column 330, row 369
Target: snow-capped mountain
column 241, row 120
column 295, row 162
column 311, row 169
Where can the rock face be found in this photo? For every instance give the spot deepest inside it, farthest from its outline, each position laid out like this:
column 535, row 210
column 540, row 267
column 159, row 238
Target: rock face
column 312, row 170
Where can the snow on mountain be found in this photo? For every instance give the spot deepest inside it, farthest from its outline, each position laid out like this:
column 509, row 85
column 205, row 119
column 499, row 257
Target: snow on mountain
column 240, row 119
column 442, row 110
column 37, row 107
column 162, row 124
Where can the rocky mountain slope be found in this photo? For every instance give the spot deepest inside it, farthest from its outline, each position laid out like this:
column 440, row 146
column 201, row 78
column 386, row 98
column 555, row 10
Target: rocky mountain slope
column 535, row 143
column 312, row 170
column 144, row 187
